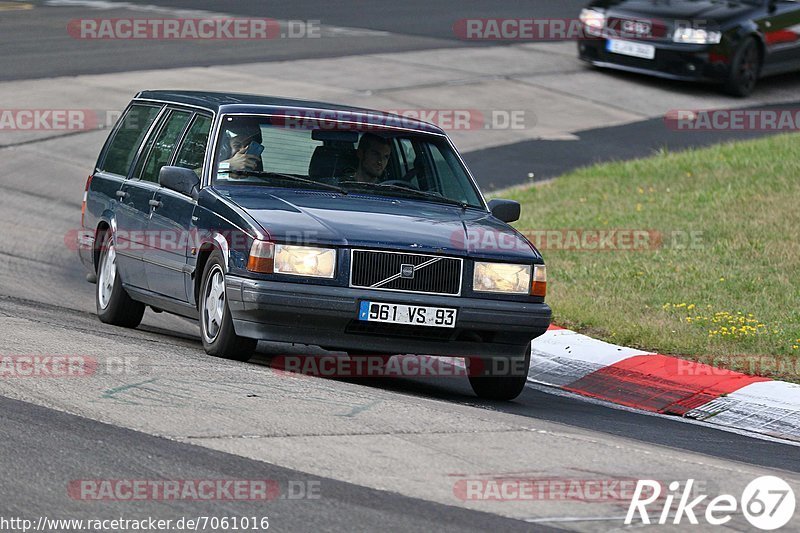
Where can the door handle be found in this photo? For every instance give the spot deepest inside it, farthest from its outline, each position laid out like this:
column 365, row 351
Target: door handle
column 155, row 204
column 122, row 195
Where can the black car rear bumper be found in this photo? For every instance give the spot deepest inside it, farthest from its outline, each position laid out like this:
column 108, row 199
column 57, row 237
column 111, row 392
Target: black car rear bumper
column 672, row 61
column 328, row 316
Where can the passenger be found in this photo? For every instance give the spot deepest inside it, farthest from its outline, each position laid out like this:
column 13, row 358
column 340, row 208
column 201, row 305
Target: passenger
column 373, row 155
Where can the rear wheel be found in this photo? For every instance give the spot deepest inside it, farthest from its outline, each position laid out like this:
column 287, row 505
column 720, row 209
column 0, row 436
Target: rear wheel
column 501, row 378
column 745, row 69
column 216, row 326
column 114, row 305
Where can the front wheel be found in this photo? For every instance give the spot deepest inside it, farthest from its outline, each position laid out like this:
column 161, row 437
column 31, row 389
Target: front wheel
column 216, row 326
column 501, row 378
column 114, row 305
column 745, row 69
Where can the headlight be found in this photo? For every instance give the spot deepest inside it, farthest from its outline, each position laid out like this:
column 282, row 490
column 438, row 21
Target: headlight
column 501, row 277
column 696, row 36
column 305, row 261
column 594, row 21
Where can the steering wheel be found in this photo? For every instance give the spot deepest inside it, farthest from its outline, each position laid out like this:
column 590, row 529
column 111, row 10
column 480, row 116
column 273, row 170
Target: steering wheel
column 400, row 183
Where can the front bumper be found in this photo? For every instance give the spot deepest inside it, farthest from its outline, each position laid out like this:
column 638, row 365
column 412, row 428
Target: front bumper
column 328, row 316
column 672, row 61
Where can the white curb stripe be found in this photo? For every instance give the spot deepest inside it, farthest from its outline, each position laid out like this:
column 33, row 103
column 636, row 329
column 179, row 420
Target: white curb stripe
column 561, row 357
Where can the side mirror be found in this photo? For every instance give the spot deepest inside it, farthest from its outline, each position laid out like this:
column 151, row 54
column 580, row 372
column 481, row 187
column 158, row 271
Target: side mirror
column 505, row 210
column 179, row 179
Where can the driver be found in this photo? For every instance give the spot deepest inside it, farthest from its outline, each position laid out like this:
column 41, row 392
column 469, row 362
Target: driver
column 236, row 140
column 373, row 155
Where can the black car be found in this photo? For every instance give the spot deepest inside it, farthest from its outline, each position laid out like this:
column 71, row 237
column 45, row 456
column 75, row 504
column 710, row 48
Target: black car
column 732, row 42
column 311, row 223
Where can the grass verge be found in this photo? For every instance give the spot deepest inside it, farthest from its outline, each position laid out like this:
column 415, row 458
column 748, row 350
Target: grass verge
column 707, row 262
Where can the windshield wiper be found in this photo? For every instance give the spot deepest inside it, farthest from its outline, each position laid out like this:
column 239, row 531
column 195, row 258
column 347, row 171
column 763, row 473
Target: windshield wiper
column 265, row 175
column 424, row 194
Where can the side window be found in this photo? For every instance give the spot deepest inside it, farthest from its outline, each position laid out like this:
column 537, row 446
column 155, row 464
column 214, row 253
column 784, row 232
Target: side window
column 163, row 145
column 406, row 153
column 192, row 152
column 128, row 137
column 446, row 181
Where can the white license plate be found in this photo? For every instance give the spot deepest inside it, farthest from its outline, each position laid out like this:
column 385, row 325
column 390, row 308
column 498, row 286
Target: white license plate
column 628, row 48
column 413, row 315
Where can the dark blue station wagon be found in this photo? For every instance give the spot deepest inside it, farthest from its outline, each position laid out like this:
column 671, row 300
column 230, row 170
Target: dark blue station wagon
column 293, row 221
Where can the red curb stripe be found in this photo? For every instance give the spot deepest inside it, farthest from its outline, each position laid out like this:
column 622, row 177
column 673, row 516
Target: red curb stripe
column 553, row 327
column 661, row 384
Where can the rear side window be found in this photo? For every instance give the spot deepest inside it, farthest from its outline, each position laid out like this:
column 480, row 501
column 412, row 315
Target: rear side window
column 193, row 150
column 161, row 150
column 128, row 137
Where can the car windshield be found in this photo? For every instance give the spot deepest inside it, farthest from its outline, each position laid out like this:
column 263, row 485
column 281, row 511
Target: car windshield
column 271, row 151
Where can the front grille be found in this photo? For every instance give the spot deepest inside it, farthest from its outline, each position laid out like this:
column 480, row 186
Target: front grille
column 382, row 271
column 630, row 28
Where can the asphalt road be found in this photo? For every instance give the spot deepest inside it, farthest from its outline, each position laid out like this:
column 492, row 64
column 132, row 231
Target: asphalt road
column 36, row 43
column 617, row 115
column 83, row 449
column 550, row 158
column 386, row 454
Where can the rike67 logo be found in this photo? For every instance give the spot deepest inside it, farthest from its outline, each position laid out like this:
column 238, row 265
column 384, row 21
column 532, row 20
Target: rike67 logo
column 768, row 503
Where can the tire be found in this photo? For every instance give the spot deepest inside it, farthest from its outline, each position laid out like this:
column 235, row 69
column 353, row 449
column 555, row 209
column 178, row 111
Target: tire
column 216, row 326
column 504, row 387
column 114, row 305
column 745, row 69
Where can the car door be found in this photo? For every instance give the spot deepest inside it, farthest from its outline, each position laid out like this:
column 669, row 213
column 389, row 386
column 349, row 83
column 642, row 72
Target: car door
column 130, row 203
column 157, row 153
column 782, row 34
column 171, row 218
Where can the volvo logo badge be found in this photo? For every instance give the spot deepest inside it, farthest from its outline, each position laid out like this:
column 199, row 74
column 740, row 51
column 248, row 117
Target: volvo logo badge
column 407, row 271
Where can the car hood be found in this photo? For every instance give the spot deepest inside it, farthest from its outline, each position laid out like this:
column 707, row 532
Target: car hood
column 687, row 10
column 355, row 220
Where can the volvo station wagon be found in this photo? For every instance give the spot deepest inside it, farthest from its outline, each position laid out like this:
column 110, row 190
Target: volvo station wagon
column 293, row 221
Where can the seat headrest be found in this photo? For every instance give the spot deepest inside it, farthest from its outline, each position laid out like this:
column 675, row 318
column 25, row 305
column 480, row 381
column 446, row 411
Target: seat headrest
column 329, row 161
